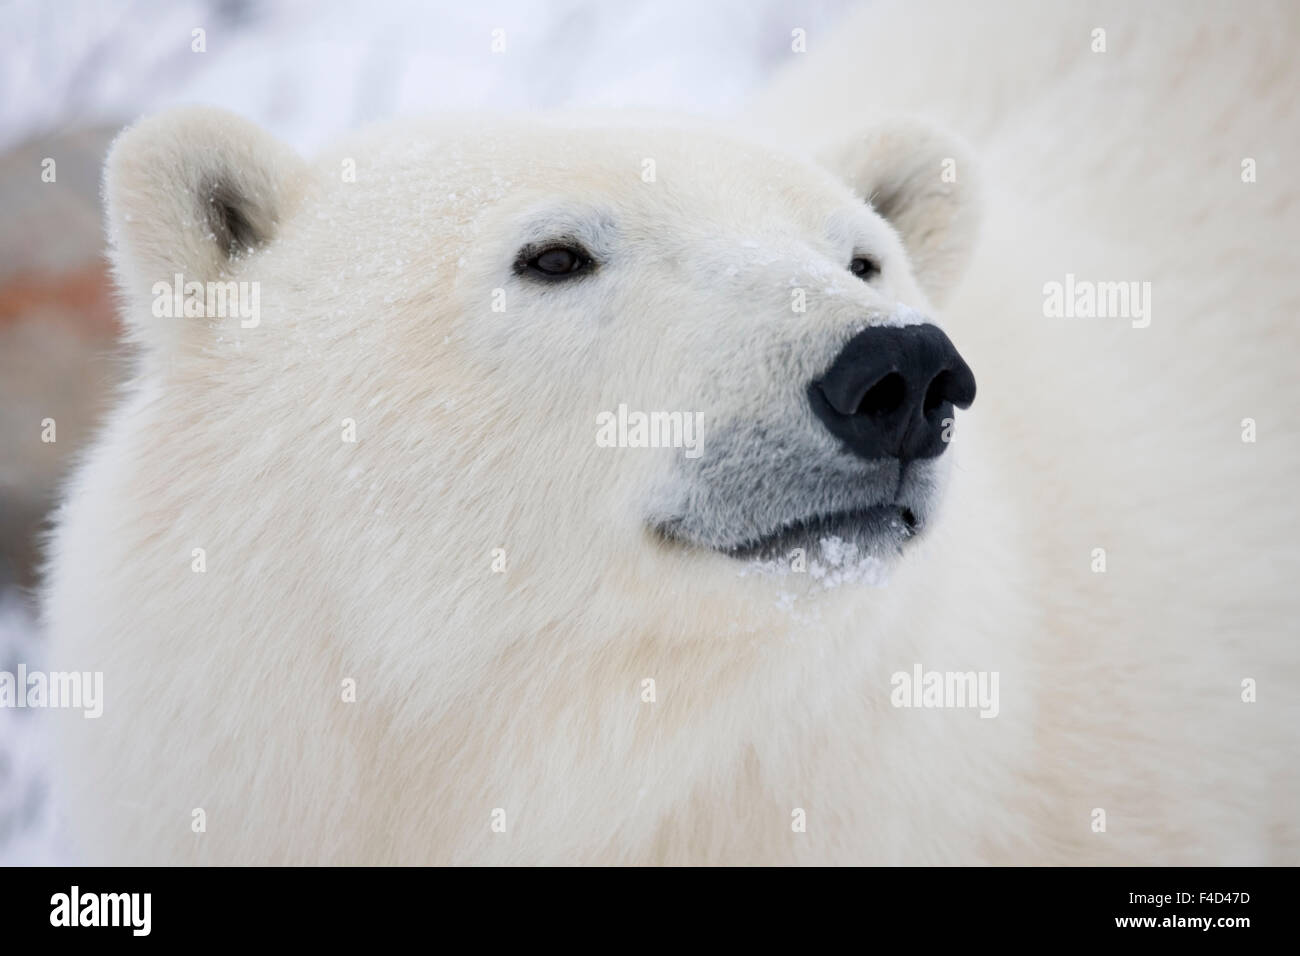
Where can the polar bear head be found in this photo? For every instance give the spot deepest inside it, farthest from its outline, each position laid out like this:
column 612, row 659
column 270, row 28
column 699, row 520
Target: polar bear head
column 545, row 376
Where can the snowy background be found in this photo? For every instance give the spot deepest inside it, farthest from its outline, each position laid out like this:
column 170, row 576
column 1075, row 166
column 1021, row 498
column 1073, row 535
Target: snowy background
column 306, row 71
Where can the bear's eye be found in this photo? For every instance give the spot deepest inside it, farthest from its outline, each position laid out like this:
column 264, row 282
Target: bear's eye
column 864, row 268
column 554, row 262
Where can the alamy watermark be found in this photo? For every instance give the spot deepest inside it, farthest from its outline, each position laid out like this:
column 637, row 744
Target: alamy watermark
column 129, row 910
column 56, row 689
column 632, row 429
column 211, row 300
column 946, row 689
column 1086, row 299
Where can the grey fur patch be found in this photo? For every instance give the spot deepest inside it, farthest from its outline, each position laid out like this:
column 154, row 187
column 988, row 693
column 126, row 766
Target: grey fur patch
column 762, row 488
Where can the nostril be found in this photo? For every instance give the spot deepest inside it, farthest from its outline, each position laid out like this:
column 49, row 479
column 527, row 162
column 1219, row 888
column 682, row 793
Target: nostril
column 883, row 397
column 937, row 393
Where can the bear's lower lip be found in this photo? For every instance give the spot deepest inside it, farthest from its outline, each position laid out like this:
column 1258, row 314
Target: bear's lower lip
column 878, row 529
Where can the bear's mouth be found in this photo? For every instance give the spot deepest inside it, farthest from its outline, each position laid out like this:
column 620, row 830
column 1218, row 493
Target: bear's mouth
column 748, row 503
column 879, row 529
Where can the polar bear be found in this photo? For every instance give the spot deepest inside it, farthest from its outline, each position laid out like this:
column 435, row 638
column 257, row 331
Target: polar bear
column 411, row 552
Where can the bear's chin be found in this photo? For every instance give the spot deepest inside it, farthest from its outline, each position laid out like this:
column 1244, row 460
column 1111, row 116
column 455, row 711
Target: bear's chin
column 879, row 532
column 856, row 544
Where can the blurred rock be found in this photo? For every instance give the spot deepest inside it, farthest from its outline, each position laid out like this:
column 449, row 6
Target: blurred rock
column 59, row 357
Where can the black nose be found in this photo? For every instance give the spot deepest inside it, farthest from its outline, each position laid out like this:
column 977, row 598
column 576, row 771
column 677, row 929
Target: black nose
column 887, row 393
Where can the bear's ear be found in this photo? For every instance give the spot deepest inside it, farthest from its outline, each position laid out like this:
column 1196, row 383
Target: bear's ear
column 923, row 182
column 191, row 192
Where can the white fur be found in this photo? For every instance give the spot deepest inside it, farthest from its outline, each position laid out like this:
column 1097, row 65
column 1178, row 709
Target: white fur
column 522, row 690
